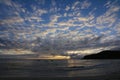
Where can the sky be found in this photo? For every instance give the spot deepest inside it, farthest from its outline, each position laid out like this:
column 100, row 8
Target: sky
column 60, row 26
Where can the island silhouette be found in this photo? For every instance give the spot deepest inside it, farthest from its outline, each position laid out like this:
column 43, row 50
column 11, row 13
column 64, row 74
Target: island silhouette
column 108, row 54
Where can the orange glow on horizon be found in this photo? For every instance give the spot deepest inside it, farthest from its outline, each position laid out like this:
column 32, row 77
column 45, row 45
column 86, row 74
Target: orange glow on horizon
column 60, row 57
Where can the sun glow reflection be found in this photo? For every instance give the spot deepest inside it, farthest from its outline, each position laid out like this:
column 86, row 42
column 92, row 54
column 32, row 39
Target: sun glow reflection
column 51, row 57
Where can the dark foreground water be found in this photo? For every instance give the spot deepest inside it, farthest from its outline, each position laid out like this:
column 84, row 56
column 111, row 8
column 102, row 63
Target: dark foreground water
column 57, row 68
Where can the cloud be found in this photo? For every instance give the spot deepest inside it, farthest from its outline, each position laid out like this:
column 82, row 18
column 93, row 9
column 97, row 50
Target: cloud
column 106, row 20
column 109, row 17
column 12, row 10
column 74, row 27
column 116, row 28
column 108, row 38
column 16, row 51
column 40, row 12
column 12, row 20
column 107, row 4
column 79, row 21
column 65, row 14
column 6, row 2
column 53, row 21
column 34, row 8
column 85, row 4
column 82, row 19
column 40, row 2
column 54, row 18
column 75, row 4
column 53, row 3
column 67, row 8
column 107, row 32
column 34, row 18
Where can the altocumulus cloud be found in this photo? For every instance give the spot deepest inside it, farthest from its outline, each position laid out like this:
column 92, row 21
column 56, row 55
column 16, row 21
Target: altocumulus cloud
column 60, row 25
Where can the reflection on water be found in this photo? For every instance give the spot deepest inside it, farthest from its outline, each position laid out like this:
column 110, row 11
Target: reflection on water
column 58, row 68
column 75, row 62
column 93, row 67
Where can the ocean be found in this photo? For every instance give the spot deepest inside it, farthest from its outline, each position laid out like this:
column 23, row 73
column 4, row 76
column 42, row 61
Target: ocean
column 57, row 68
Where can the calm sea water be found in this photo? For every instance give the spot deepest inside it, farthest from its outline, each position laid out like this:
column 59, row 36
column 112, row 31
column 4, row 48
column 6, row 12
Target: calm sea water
column 57, row 68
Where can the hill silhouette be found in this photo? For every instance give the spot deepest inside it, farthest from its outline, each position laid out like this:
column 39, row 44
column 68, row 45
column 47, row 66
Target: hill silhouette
column 104, row 55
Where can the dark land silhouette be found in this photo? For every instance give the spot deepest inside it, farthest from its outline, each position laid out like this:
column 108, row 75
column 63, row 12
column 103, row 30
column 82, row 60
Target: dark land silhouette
column 104, row 55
